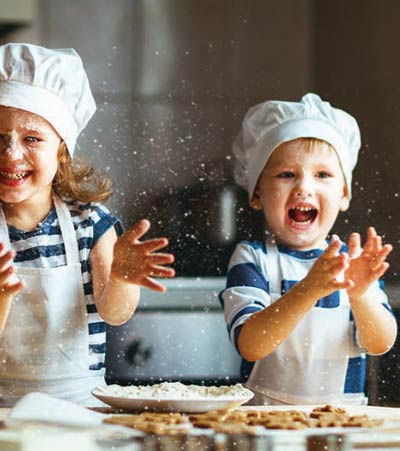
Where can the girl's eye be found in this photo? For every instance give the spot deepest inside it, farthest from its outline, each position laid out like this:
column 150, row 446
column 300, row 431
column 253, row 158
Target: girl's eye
column 32, row 139
column 323, row 174
column 286, row 175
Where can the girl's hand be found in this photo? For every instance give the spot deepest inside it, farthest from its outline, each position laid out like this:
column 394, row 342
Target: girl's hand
column 366, row 265
column 325, row 276
column 9, row 282
column 137, row 262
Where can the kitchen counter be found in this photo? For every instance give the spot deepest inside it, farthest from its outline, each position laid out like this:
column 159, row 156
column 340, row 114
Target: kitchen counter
column 35, row 437
column 40, row 436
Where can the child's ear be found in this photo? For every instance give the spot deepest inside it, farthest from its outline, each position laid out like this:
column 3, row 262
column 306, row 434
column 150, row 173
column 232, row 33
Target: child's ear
column 345, row 200
column 255, row 203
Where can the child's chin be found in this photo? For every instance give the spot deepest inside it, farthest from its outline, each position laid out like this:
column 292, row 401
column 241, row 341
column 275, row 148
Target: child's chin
column 11, row 198
column 302, row 242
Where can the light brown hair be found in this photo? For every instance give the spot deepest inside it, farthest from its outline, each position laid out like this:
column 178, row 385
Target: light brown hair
column 79, row 181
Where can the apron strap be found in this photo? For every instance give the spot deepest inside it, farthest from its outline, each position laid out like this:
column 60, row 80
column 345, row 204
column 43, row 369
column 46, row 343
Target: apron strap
column 273, row 268
column 67, row 231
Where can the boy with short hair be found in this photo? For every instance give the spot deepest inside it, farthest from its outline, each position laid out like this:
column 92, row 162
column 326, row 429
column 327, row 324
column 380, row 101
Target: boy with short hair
column 305, row 310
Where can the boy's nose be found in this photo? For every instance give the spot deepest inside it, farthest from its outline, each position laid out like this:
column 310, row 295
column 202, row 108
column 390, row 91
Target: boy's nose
column 300, row 193
column 304, row 188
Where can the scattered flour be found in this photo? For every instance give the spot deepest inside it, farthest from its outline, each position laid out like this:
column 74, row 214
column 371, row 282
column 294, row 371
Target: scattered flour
column 175, row 390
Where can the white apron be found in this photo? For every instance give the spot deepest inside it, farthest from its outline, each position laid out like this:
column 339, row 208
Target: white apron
column 310, row 366
column 44, row 346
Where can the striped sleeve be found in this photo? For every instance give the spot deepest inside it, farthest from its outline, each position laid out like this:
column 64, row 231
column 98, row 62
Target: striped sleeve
column 104, row 221
column 99, row 217
column 92, row 221
column 247, row 290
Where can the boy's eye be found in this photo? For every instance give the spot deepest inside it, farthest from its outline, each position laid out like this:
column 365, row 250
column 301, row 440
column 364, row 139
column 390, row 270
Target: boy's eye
column 323, row 174
column 285, row 175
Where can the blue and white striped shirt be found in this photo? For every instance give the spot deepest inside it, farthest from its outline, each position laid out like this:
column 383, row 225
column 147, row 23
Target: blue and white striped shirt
column 247, row 292
column 44, row 248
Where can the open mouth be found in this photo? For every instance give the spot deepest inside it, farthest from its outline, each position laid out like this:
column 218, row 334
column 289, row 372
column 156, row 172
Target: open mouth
column 303, row 215
column 14, row 175
column 13, row 178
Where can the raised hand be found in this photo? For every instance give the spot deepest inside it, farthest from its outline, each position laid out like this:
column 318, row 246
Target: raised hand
column 368, row 264
column 325, row 276
column 137, row 262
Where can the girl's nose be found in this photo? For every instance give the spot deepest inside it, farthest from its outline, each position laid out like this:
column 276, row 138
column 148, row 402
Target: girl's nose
column 12, row 149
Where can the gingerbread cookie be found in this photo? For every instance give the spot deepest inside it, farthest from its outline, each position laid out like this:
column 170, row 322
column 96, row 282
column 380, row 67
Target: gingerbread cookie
column 243, row 421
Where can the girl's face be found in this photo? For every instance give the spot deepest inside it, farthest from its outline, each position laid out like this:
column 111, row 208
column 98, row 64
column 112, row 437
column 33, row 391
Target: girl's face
column 28, row 156
column 301, row 190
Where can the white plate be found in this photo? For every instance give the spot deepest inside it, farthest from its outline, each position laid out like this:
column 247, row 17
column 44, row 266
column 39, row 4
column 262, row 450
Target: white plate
column 185, row 405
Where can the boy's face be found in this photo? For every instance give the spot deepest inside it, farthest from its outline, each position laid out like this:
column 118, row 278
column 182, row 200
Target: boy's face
column 301, row 191
column 28, row 155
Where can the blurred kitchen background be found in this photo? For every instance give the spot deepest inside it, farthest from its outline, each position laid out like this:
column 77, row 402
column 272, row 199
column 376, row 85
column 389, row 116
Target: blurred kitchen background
column 173, row 80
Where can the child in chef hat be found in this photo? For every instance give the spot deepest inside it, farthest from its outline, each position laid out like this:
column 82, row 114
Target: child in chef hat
column 302, row 310
column 65, row 267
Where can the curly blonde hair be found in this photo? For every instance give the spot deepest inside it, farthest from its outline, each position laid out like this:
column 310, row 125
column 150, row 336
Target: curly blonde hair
column 78, row 180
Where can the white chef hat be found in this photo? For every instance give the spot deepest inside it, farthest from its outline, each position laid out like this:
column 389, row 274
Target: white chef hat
column 269, row 124
column 49, row 82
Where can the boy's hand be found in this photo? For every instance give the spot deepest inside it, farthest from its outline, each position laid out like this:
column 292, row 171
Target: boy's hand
column 366, row 265
column 9, row 282
column 324, row 277
column 137, row 262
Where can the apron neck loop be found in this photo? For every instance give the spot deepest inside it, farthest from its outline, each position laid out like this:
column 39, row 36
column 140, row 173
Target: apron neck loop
column 66, row 225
